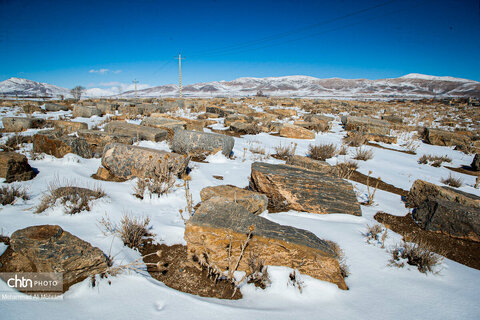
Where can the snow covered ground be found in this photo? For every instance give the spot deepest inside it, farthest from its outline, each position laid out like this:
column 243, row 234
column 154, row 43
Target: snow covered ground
column 376, row 290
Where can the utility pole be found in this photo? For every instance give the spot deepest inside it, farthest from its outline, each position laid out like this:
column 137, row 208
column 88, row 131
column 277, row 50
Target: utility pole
column 180, row 73
column 135, row 81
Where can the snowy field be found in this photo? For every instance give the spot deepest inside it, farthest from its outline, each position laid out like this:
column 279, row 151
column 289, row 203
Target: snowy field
column 377, row 291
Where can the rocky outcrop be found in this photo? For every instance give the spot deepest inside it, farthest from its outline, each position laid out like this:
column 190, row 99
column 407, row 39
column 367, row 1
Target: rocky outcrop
column 422, row 191
column 445, row 138
column 48, row 248
column 18, row 124
column 127, row 162
column 67, row 127
column 222, row 112
column 164, row 123
column 296, row 132
column 55, row 107
column 99, row 139
column 58, row 146
column 186, row 142
column 476, row 162
column 310, row 164
column 220, row 226
column 450, row 218
column 254, row 202
column 290, row 187
column 15, row 167
column 86, row 111
column 369, row 125
column 136, row 131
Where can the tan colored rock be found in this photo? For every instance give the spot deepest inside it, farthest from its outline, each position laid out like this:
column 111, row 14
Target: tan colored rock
column 67, row 127
column 219, row 224
column 58, row 146
column 445, row 138
column 284, row 112
column 97, row 140
column 136, row 131
column 254, row 202
column 14, row 167
column 296, row 132
column 422, row 191
column 310, row 164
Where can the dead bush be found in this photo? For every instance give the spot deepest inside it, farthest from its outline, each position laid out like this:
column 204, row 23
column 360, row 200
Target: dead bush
column 14, row 142
column 354, row 139
column 415, row 254
column 345, row 169
column 294, row 280
column 322, row 151
column 8, row 194
column 435, row 161
column 363, row 154
column 285, row 151
column 452, row 181
column 133, row 231
column 342, row 260
column 74, row 199
column 372, row 233
column 343, row 150
column 258, row 273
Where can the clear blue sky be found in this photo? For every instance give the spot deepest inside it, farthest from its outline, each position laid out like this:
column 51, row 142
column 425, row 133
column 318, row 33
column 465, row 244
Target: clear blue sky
column 66, row 42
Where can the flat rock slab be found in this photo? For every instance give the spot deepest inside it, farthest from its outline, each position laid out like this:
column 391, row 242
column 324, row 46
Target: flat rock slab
column 86, row 111
column 125, row 161
column 296, row 132
column 254, row 202
column 290, row 187
column 219, row 224
column 18, row 124
column 99, row 139
column 445, row 138
column 186, row 142
column 159, row 122
column 310, row 164
column 58, row 146
column 422, row 191
column 14, row 167
column 55, row 107
column 67, row 127
column 450, row 218
column 48, row 248
column 136, row 131
column 365, row 124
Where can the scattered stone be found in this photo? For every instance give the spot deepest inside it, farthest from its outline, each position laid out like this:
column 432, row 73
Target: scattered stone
column 246, row 127
column 369, row 125
column 99, row 139
column 393, row 118
column 48, row 248
column 289, row 187
column 125, row 161
column 310, row 164
column 164, row 123
column 58, row 146
column 284, row 112
column 317, row 118
column 14, row 167
column 254, row 202
column 296, row 132
column 54, row 107
column 422, row 191
column 220, row 226
column 86, row 111
column 445, row 138
column 186, row 142
column 67, row 127
column 220, row 111
column 476, row 162
column 18, row 124
column 450, row 218
column 136, row 131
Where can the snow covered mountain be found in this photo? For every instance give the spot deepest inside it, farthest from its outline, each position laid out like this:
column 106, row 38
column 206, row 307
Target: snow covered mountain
column 29, row 88
column 409, row 86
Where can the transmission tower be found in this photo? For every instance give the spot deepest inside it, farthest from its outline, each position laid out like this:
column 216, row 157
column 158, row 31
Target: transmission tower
column 135, row 81
column 180, row 74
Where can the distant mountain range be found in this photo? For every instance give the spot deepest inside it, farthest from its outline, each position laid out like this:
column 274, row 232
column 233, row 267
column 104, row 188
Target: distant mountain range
column 409, row 86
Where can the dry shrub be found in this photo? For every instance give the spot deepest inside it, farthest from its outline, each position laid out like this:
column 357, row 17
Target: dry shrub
column 344, row 270
column 415, row 254
column 294, row 280
column 452, row 181
column 8, row 194
column 363, row 154
column 435, row 161
column 258, row 273
column 14, row 142
column 322, row 151
column 354, row 139
column 343, row 150
column 74, row 199
column 285, row 151
column 372, row 233
column 257, row 147
column 345, row 169
column 133, row 231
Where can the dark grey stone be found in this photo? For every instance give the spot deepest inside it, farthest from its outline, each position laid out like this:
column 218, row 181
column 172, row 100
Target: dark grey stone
column 191, row 141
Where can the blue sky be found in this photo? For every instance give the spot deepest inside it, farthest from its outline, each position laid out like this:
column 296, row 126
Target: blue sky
column 105, row 43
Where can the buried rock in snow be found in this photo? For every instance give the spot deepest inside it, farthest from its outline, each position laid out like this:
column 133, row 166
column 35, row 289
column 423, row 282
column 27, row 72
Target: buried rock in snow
column 48, row 248
column 218, row 229
column 289, row 187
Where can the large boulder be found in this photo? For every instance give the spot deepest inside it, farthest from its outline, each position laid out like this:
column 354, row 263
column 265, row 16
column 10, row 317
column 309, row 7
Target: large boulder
column 310, row 164
column 14, row 167
column 445, row 138
column 290, row 187
column 67, row 127
column 164, row 123
column 422, row 191
column 296, row 132
column 55, row 107
column 125, row 161
column 186, row 142
column 365, row 124
column 450, row 218
column 48, row 248
column 220, row 226
column 86, row 111
column 99, row 139
column 58, row 146
column 222, row 112
column 254, row 202
column 136, row 131
column 17, row 124
column 476, row 162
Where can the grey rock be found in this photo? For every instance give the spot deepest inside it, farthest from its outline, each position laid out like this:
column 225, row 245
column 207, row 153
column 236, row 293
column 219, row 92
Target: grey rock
column 99, row 139
column 55, row 107
column 17, row 124
column 58, row 146
column 86, row 111
column 14, row 167
column 136, row 131
column 185, row 142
